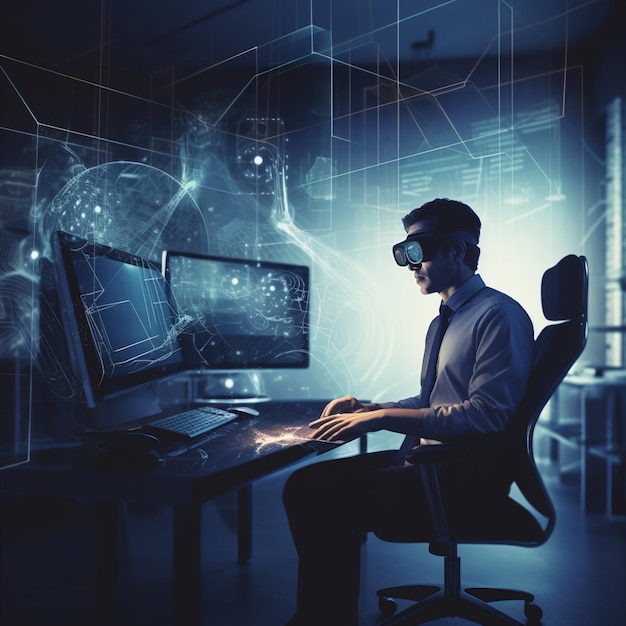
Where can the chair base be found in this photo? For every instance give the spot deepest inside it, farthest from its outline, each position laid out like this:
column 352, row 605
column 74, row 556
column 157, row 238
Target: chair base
column 471, row 605
column 434, row 602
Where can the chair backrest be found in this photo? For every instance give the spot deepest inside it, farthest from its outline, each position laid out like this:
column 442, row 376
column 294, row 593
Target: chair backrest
column 564, row 294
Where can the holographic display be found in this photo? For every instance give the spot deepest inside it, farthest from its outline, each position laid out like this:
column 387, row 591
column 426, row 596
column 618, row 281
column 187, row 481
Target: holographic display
column 241, row 313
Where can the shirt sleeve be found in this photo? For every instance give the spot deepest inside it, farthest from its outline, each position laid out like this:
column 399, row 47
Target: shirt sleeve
column 504, row 351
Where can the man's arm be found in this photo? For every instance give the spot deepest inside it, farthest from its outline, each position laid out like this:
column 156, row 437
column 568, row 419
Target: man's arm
column 503, row 357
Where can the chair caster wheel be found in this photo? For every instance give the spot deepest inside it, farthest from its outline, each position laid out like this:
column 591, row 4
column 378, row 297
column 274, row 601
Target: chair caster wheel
column 533, row 613
column 387, row 607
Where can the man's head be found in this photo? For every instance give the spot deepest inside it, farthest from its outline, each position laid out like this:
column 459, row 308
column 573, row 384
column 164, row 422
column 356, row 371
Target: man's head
column 448, row 221
column 441, row 247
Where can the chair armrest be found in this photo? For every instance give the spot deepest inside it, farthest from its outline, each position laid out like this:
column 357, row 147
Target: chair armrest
column 457, row 450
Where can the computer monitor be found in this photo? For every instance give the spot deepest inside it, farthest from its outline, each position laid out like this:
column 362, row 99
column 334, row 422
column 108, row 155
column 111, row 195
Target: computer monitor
column 246, row 315
column 121, row 328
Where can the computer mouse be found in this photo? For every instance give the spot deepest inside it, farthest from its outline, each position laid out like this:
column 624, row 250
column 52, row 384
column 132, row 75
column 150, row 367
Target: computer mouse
column 245, row 411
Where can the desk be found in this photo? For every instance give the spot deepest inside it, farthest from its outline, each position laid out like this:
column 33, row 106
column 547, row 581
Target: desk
column 599, row 433
column 230, row 458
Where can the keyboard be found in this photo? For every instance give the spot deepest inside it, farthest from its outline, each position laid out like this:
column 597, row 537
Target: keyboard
column 194, row 422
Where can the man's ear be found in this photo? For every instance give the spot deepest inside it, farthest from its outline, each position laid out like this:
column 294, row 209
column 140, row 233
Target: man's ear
column 459, row 249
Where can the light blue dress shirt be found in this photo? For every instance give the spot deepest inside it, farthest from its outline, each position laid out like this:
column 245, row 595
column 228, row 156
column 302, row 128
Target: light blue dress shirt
column 483, row 368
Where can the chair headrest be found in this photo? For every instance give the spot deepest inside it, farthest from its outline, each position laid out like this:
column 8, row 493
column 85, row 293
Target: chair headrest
column 564, row 289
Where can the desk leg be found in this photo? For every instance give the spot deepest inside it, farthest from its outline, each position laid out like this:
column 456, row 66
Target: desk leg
column 593, row 413
column 108, row 522
column 616, row 444
column 554, row 413
column 363, row 444
column 244, row 524
column 186, row 575
column 616, row 489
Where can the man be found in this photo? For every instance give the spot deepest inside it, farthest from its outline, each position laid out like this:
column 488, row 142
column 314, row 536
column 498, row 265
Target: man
column 482, row 370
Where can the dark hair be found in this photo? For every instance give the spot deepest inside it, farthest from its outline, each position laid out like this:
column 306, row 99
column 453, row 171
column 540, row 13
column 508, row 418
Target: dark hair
column 448, row 216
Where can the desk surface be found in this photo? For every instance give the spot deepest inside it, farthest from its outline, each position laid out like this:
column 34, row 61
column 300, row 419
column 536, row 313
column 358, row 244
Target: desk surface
column 228, row 457
column 609, row 378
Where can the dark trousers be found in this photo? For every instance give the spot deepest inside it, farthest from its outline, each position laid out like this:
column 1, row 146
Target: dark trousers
column 330, row 506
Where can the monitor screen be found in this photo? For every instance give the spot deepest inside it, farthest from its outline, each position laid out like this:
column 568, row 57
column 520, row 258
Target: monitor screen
column 122, row 330
column 244, row 314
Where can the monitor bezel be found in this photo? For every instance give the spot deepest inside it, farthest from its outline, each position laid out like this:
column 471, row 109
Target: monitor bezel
column 302, row 270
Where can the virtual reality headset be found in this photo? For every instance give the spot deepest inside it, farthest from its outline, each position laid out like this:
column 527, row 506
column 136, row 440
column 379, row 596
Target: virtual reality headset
column 423, row 246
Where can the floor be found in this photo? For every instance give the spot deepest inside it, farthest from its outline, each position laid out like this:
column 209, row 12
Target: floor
column 578, row 577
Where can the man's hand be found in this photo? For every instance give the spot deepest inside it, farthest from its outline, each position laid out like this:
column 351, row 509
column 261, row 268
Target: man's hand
column 343, row 427
column 347, row 404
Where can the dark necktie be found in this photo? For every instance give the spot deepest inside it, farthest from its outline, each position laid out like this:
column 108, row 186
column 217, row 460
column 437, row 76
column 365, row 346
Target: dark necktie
column 428, row 382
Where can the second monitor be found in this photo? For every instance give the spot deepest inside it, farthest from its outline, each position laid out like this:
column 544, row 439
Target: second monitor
column 241, row 314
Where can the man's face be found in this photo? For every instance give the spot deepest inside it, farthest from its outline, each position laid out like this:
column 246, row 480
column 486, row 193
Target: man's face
column 436, row 274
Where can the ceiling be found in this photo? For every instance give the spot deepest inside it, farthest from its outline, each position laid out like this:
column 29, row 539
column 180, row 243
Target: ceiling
column 187, row 35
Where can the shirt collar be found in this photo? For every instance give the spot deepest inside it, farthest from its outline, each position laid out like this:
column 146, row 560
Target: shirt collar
column 465, row 292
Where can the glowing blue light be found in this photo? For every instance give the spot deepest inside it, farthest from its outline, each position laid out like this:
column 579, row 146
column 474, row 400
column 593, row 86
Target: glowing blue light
column 258, row 160
column 34, row 254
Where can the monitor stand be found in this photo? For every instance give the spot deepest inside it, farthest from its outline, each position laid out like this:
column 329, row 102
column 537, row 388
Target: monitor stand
column 227, row 387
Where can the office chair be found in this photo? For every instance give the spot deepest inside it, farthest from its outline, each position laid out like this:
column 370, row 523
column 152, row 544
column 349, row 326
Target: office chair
column 508, row 521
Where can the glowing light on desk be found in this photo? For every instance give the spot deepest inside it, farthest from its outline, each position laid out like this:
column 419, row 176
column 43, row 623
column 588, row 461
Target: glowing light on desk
column 285, row 438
